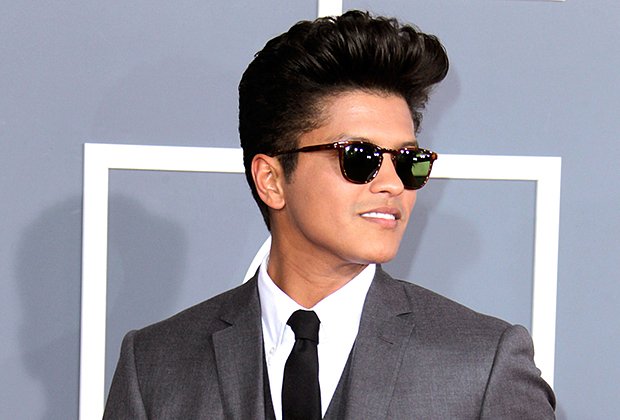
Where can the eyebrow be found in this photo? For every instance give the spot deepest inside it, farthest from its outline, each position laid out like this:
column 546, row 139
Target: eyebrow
column 413, row 143
column 406, row 143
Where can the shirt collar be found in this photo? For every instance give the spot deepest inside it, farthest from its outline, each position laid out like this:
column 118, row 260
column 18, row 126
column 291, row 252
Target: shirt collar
column 277, row 306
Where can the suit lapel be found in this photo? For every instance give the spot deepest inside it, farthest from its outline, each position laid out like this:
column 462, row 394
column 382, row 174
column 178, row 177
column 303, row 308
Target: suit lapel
column 239, row 354
column 385, row 330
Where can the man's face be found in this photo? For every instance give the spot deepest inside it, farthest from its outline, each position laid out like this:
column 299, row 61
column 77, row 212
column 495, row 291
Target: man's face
column 331, row 220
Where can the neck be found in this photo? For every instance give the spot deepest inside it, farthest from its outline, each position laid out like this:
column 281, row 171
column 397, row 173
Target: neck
column 305, row 278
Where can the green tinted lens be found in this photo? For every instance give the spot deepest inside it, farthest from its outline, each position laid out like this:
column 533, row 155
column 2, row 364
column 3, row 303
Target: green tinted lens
column 413, row 167
column 360, row 162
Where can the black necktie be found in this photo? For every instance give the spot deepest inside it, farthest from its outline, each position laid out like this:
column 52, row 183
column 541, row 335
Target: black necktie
column 301, row 396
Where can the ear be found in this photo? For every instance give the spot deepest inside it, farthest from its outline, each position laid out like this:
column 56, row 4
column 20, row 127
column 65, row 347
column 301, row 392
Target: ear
column 268, row 178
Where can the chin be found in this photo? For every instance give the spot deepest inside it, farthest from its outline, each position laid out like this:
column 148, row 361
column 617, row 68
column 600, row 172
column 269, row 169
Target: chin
column 383, row 260
column 382, row 256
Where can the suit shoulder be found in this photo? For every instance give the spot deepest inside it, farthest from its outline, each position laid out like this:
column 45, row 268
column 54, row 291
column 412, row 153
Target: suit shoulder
column 199, row 320
column 436, row 310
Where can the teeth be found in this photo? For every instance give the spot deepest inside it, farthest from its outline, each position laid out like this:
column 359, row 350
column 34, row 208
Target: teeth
column 376, row 215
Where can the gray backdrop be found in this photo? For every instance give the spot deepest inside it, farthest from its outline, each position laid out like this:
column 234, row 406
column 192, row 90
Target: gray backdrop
column 527, row 78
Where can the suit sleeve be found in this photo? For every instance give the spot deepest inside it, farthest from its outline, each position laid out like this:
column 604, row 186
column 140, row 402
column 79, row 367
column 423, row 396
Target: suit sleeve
column 515, row 389
column 124, row 399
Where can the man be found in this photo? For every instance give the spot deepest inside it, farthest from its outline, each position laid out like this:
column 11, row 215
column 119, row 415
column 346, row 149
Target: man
column 328, row 117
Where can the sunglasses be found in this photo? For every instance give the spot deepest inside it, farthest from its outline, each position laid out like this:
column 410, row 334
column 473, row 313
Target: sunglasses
column 360, row 161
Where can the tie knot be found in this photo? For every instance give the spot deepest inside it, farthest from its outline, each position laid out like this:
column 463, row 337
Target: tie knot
column 305, row 325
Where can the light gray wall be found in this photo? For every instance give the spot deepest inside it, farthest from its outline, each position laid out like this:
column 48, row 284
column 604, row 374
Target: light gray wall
column 527, row 78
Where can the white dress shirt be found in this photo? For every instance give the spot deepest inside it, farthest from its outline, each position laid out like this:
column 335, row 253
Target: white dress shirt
column 340, row 315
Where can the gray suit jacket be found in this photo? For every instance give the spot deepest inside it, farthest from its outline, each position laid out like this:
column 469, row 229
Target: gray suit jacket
column 417, row 355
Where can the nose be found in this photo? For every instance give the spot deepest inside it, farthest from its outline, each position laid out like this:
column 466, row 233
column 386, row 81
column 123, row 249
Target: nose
column 387, row 180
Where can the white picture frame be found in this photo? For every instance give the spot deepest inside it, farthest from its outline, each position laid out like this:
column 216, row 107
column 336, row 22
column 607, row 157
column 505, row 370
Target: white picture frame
column 99, row 159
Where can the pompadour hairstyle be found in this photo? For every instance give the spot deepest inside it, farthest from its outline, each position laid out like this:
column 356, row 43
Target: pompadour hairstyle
column 282, row 91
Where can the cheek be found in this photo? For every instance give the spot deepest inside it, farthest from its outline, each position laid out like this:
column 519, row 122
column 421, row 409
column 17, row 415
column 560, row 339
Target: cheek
column 327, row 202
column 322, row 207
column 322, row 187
column 413, row 199
column 409, row 202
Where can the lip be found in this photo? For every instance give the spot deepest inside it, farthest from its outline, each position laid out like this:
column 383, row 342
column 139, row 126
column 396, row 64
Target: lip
column 374, row 216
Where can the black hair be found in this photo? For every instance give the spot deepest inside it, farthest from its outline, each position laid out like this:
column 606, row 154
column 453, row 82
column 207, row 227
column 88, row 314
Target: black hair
column 282, row 91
